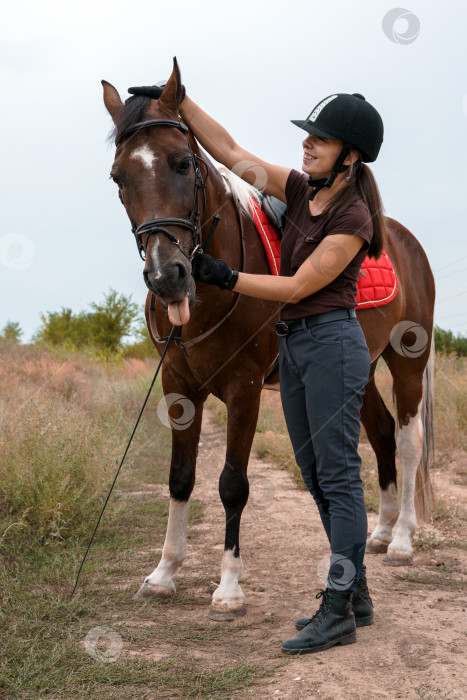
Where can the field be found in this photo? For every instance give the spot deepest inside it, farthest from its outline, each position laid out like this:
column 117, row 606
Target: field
column 65, row 422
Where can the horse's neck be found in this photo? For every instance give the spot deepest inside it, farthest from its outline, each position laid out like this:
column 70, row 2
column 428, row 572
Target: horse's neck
column 226, row 242
column 223, row 185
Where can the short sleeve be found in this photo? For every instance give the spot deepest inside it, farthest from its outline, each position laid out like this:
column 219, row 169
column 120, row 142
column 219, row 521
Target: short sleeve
column 356, row 221
column 295, row 188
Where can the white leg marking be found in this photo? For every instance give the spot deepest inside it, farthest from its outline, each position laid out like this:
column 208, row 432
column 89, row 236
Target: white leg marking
column 229, row 595
column 160, row 582
column 146, row 156
column 409, row 445
column 388, row 512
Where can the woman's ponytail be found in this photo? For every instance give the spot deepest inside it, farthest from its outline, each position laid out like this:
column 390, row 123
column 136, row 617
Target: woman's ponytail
column 369, row 192
column 362, row 185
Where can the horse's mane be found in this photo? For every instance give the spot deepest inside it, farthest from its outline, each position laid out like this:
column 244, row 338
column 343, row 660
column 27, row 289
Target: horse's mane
column 133, row 111
column 239, row 189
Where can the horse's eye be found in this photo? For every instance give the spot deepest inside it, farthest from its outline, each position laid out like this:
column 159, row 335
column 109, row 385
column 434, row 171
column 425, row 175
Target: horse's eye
column 184, row 165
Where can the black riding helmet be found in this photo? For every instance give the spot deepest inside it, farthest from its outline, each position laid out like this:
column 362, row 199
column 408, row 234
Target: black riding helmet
column 351, row 119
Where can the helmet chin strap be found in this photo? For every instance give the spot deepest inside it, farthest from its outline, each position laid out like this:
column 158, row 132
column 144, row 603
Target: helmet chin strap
column 338, row 167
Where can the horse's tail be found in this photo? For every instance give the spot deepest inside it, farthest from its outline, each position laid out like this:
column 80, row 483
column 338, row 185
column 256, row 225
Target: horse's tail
column 423, row 488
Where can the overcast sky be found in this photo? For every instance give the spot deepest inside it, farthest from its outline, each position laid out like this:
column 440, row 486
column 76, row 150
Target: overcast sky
column 65, row 239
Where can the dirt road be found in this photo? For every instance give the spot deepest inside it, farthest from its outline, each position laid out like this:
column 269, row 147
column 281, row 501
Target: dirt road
column 417, row 646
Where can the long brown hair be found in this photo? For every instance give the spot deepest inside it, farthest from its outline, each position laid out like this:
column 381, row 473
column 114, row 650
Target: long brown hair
column 361, row 184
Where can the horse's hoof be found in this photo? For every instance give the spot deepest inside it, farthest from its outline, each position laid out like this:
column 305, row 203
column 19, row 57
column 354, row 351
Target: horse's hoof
column 377, row 546
column 149, row 590
column 226, row 615
column 398, row 559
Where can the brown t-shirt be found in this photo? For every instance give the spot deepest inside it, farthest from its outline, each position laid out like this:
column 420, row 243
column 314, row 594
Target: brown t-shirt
column 302, row 234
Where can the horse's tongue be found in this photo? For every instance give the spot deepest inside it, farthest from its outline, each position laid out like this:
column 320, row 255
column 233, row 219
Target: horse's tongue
column 179, row 312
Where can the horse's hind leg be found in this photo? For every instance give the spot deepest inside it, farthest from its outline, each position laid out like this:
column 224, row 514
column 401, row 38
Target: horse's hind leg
column 185, row 438
column 380, row 427
column 407, row 374
column 228, row 600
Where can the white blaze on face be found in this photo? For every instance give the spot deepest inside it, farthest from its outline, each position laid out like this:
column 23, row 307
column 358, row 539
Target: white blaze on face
column 146, row 156
column 155, row 256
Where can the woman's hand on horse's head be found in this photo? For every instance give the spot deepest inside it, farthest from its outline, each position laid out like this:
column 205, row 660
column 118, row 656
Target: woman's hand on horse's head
column 153, row 91
column 210, row 271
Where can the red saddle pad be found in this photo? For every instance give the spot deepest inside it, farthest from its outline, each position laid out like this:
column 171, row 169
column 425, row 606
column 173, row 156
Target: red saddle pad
column 377, row 284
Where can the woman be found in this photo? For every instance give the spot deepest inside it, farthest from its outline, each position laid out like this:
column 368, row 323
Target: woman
column 334, row 219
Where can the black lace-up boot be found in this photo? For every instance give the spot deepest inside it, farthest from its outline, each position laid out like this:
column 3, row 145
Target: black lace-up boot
column 362, row 606
column 334, row 623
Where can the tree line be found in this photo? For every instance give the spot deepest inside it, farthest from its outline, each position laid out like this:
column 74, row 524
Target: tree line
column 108, row 326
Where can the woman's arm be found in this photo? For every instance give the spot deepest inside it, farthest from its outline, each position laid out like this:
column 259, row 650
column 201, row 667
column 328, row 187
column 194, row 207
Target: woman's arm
column 221, row 146
column 326, row 262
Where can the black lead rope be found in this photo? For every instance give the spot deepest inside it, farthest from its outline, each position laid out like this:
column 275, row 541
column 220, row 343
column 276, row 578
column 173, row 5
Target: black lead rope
column 172, row 332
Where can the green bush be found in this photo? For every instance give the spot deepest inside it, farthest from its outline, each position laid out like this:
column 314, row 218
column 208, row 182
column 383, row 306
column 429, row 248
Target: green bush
column 446, row 342
column 11, row 332
column 143, row 347
column 103, row 328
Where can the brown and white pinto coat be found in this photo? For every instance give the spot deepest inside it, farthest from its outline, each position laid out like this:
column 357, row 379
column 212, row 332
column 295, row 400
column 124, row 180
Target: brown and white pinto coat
column 233, row 361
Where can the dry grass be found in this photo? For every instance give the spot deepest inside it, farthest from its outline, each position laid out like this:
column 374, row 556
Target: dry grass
column 65, row 419
column 63, row 429
column 450, row 403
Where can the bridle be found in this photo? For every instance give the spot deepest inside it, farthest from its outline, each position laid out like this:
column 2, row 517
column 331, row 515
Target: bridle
column 193, row 224
column 157, row 226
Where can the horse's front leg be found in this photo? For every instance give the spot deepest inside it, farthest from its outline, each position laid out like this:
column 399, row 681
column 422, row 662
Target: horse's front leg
column 185, row 438
column 228, row 600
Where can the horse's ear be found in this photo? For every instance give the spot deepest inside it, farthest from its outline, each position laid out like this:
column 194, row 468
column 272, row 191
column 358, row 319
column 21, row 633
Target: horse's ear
column 111, row 100
column 170, row 99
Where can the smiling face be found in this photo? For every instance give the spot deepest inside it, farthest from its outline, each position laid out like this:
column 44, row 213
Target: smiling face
column 319, row 155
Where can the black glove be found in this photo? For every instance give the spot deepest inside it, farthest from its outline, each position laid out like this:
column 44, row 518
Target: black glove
column 153, row 91
column 210, row 271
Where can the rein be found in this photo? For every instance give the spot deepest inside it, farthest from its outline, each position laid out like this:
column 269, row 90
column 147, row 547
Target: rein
column 172, row 333
column 158, row 226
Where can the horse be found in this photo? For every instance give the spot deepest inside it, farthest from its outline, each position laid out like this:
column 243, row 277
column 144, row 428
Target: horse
column 174, row 197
